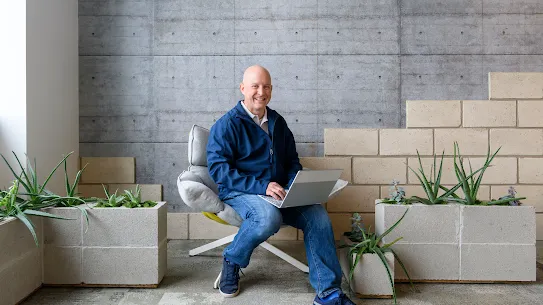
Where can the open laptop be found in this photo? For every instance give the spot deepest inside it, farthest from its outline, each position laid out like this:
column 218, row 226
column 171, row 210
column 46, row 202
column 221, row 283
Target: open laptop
column 308, row 187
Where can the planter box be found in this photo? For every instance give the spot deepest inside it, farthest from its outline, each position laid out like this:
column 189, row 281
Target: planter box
column 20, row 260
column 122, row 247
column 370, row 278
column 462, row 243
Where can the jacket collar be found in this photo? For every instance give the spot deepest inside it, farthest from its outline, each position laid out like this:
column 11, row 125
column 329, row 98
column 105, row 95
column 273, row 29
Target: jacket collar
column 272, row 116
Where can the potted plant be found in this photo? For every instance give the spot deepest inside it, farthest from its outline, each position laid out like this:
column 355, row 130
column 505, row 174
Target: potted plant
column 368, row 263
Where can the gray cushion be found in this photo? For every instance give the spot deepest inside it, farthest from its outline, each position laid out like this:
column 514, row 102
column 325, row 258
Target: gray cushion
column 203, row 173
column 197, row 145
column 196, row 195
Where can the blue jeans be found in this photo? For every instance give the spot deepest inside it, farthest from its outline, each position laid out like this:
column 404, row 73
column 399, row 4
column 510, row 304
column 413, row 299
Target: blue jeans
column 261, row 220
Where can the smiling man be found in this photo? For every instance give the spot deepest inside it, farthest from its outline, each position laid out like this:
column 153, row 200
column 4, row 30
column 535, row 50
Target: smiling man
column 250, row 152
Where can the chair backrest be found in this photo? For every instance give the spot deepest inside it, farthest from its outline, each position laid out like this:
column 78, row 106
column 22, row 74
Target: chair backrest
column 197, row 156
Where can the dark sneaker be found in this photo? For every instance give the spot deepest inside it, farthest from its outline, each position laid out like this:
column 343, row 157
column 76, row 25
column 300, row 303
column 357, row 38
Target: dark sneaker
column 229, row 279
column 342, row 299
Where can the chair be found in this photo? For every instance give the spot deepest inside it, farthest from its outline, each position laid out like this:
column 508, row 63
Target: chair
column 199, row 191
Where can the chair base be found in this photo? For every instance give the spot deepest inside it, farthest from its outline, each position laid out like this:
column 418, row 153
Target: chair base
column 225, row 240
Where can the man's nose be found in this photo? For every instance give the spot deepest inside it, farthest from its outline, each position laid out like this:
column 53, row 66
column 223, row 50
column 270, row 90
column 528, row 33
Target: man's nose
column 260, row 90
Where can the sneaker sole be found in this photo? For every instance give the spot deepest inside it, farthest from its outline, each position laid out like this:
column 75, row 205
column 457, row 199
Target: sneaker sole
column 229, row 295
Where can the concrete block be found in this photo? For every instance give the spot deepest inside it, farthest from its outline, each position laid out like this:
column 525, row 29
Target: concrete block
column 92, row 190
column 370, row 277
column 533, row 194
column 115, row 265
column 530, row 113
column 148, row 191
column 498, row 225
column 428, row 261
column 351, row 142
column 178, row 226
column 424, row 224
column 343, row 163
column 379, row 170
column 447, row 171
column 26, row 276
column 489, row 113
column 355, row 198
column 406, row 141
column 441, row 34
column 285, row 233
column 201, row 227
column 472, row 141
column 539, row 220
column 197, row 10
column 109, row 170
column 530, row 170
column 123, row 128
column 329, row 8
column 341, row 223
column 419, row 7
column 62, row 265
column 115, row 8
column 507, row 7
column 506, row 85
column 502, row 170
column 516, row 141
column 487, row 262
column 433, row 114
column 121, row 227
column 281, row 9
column 60, row 232
column 16, row 239
column 512, row 33
column 482, row 194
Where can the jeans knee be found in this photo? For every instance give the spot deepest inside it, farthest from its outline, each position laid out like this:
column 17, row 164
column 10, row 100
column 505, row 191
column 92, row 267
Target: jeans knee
column 266, row 227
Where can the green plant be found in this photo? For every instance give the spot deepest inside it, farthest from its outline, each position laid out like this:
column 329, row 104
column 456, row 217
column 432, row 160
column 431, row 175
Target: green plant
column 470, row 184
column 366, row 242
column 111, row 200
column 396, row 194
column 129, row 199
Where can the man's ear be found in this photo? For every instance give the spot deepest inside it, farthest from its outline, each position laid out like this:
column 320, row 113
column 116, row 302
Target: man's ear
column 242, row 88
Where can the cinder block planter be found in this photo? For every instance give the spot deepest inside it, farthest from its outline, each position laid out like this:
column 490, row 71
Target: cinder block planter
column 20, row 260
column 462, row 243
column 370, row 279
column 122, row 247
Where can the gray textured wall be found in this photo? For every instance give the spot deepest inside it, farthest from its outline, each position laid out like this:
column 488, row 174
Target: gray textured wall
column 149, row 69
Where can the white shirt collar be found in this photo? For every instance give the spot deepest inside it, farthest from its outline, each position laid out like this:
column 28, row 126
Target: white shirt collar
column 255, row 117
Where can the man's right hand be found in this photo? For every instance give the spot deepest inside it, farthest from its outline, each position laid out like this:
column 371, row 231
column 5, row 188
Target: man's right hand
column 276, row 191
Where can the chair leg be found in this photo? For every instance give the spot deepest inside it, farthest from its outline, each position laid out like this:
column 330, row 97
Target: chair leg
column 212, row 245
column 289, row 259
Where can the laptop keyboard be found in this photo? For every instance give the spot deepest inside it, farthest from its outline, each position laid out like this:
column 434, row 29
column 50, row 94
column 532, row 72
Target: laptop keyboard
column 275, row 202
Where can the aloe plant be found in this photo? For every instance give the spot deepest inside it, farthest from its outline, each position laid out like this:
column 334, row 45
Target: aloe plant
column 470, row 184
column 129, row 199
column 369, row 242
column 111, row 200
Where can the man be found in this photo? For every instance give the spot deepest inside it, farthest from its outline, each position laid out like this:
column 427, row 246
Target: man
column 250, row 152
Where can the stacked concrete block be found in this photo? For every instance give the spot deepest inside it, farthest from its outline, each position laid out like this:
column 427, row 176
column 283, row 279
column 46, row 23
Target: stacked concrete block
column 20, row 260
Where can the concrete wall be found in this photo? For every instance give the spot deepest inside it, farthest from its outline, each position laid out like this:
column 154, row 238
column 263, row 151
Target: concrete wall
column 149, row 69
column 52, row 102
column 12, row 86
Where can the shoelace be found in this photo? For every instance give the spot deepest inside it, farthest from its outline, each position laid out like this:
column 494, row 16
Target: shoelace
column 236, row 269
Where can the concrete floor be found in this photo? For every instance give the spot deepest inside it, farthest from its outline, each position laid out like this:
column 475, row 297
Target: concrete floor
column 268, row 280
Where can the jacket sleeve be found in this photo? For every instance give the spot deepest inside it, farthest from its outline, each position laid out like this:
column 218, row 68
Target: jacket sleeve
column 292, row 161
column 221, row 162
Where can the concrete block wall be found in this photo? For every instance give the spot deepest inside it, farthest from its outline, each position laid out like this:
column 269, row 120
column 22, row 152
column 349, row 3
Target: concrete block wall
column 149, row 69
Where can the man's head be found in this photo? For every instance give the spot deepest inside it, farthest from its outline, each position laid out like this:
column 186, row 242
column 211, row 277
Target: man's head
column 256, row 88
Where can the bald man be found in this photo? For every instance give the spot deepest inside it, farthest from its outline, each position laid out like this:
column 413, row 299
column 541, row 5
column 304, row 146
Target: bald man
column 250, row 152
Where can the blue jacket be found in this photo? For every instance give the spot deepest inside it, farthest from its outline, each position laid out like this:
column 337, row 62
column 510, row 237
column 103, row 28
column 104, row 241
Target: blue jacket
column 242, row 157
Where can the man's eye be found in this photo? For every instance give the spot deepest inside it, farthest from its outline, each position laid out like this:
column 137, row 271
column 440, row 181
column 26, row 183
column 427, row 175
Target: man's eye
column 255, row 86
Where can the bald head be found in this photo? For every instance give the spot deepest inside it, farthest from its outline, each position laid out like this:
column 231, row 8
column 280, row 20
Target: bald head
column 256, row 88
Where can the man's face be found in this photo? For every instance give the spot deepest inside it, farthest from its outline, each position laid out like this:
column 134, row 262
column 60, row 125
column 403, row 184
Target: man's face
column 256, row 88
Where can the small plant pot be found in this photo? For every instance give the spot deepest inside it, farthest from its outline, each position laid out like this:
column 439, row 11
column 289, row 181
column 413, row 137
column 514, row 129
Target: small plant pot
column 370, row 278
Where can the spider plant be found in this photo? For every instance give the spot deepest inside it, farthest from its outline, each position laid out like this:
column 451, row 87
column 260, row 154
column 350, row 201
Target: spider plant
column 11, row 205
column 470, row 185
column 368, row 243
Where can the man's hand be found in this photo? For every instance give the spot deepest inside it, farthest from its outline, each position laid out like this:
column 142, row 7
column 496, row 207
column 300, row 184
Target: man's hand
column 276, row 191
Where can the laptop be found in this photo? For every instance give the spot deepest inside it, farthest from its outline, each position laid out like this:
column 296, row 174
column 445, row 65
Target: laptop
column 309, row 187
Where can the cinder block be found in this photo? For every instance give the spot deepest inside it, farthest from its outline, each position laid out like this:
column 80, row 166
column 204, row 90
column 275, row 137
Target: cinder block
column 62, row 265
column 530, row 113
column 115, row 265
column 433, row 114
column 472, row 141
column 356, row 142
column 148, row 191
column 379, row 170
column 515, row 85
column 92, row 190
column 16, row 239
column 437, row 224
column 406, row 142
column 341, row 223
column 26, row 275
column 501, row 170
column 60, row 232
column 201, row 227
column 530, row 170
column 121, row 227
column 355, row 198
column 178, row 226
column 109, row 170
column 482, row 194
column 517, row 141
column 285, row 233
column 343, row 163
column 498, row 224
column 533, row 194
column 539, row 224
column 428, row 261
column 486, row 262
column 489, row 113
column 447, row 172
